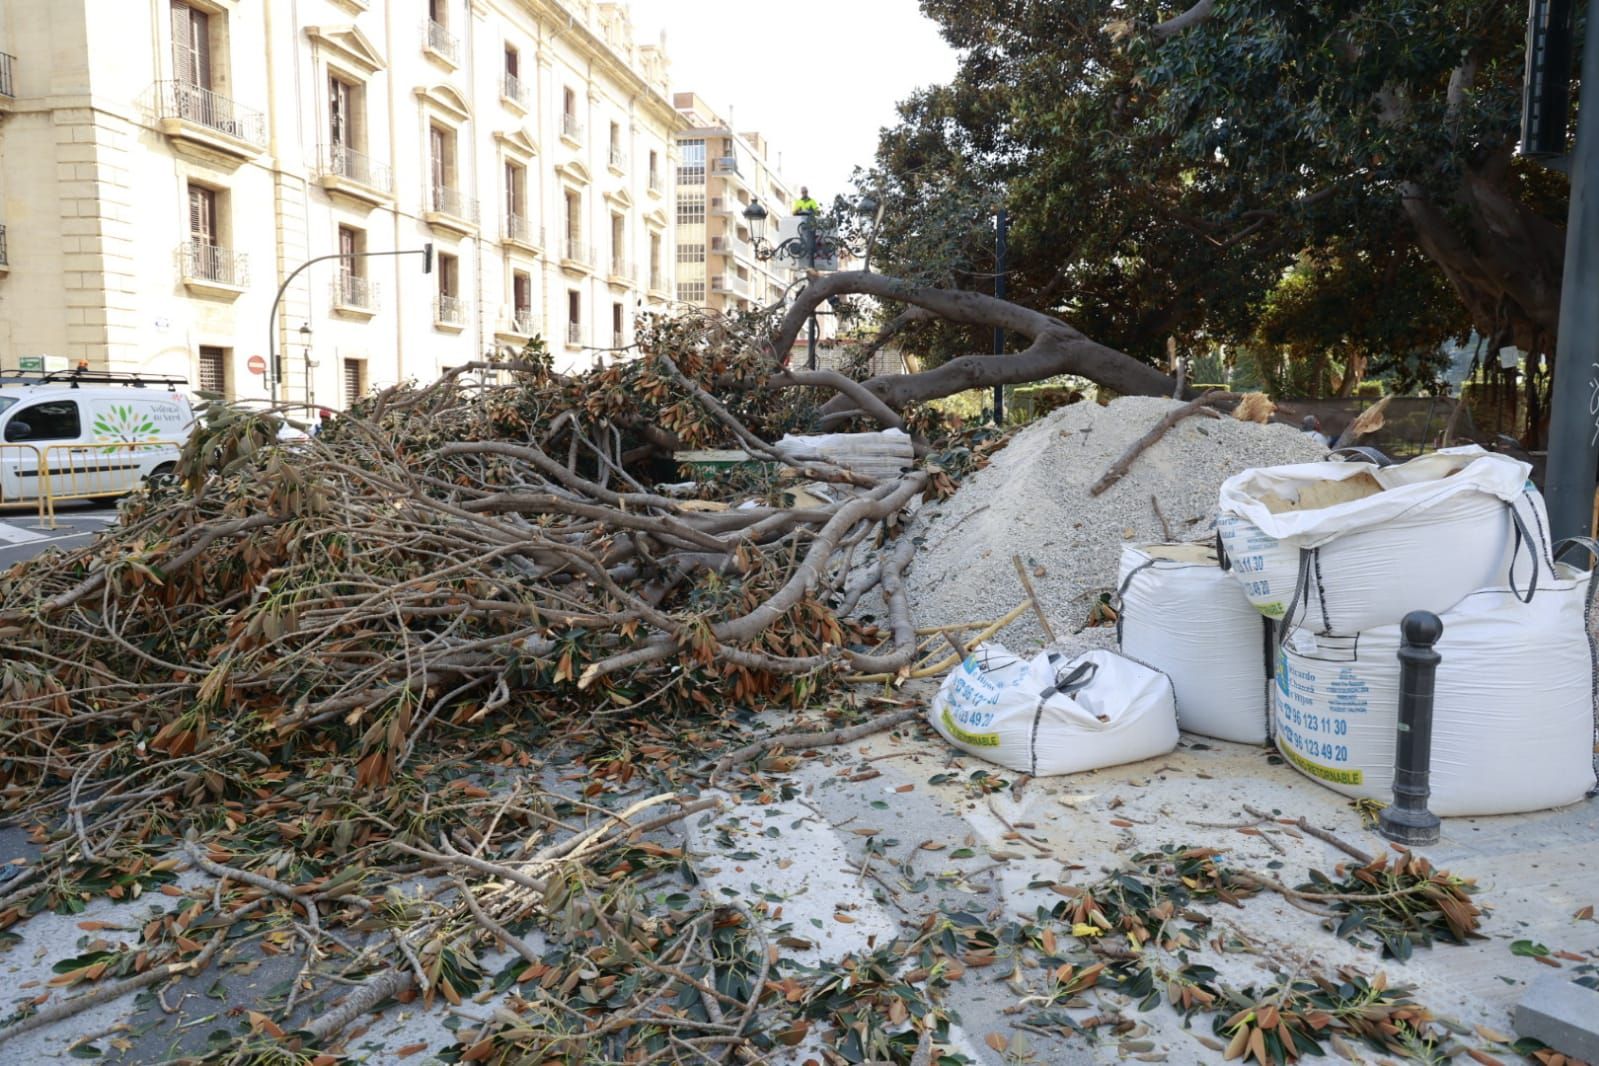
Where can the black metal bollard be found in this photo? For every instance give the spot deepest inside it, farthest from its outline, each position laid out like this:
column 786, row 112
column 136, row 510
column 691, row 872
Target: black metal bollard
column 1407, row 820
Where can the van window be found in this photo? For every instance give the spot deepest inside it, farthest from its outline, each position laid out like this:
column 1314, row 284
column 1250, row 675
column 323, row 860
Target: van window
column 56, row 420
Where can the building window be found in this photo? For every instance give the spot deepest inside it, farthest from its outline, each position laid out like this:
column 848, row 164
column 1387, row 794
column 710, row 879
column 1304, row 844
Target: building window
column 517, row 225
column 574, row 225
column 616, row 158
column 655, row 170
column 511, row 84
column 618, row 244
column 657, row 282
column 213, row 370
column 522, row 302
column 354, row 381
column 439, row 12
column 191, row 46
column 686, row 253
column 691, row 209
column 618, row 334
column 570, row 128
column 574, row 317
column 441, row 157
column 353, row 289
column 691, row 292
column 342, row 97
column 691, row 170
column 513, row 62
column 449, row 309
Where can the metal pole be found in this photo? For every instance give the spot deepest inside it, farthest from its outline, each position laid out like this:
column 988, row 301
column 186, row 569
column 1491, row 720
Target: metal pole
column 999, row 293
column 1573, row 432
column 1407, row 820
column 274, row 363
column 810, row 361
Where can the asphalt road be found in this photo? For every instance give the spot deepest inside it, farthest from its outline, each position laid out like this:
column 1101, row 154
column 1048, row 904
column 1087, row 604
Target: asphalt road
column 21, row 536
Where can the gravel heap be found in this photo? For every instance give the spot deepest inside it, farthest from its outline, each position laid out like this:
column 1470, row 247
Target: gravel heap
column 1033, row 500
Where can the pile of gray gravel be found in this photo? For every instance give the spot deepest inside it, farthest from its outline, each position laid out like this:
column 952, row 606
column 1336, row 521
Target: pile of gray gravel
column 1033, row 500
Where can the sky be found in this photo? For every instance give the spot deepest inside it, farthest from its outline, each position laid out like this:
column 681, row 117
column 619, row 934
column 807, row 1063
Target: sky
column 819, row 83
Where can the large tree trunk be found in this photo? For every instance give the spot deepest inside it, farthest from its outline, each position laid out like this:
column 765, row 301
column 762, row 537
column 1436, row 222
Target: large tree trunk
column 1056, row 347
column 1507, row 273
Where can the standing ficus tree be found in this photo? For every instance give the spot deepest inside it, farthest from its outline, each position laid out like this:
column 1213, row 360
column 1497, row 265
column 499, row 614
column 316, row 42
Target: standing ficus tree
column 1165, row 169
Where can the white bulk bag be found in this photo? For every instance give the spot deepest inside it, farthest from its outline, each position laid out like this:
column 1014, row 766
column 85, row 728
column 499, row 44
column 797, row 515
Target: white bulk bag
column 1051, row 715
column 1182, row 614
column 1513, row 713
column 1417, row 536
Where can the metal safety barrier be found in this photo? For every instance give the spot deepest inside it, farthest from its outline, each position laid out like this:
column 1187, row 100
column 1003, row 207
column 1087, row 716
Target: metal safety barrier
column 98, row 471
column 19, row 463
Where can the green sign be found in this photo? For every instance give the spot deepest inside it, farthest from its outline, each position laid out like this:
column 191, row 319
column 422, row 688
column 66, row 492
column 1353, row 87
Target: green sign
column 34, row 363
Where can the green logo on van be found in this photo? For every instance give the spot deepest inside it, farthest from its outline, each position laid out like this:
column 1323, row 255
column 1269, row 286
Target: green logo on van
column 121, row 424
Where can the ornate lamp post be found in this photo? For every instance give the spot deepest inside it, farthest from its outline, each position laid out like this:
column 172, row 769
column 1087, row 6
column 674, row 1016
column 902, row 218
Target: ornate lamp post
column 809, row 245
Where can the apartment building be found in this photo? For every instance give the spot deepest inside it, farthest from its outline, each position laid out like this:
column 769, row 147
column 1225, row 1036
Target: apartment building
column 164, row 165
column 719, row 172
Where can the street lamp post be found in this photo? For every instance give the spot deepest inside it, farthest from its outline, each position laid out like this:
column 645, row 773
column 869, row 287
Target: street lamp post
column 274, row 360
column 305, row 343
column 805, row 247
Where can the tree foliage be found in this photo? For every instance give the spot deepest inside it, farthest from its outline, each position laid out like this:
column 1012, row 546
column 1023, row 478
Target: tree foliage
column 1169, row 172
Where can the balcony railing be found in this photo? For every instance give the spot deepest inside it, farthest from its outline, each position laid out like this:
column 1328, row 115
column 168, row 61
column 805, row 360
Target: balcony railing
column 5, row 75
column 449, row 310
column 342, row 161
column 578, row 252
column 620, row 269
column 657, row 185
column 191, row 103
column 571, row 128
column 448, row 201
column 727, row 205
column 730, row 283
column 3, row 260
column 352, row 290
column 618, row 158
column 440, row 40
column 618, row 339
column 524, row 323
column 521, row 228
column 726, row 165
column 207, row 262
column 657, row 281
column 574, row 333
column 511, row 88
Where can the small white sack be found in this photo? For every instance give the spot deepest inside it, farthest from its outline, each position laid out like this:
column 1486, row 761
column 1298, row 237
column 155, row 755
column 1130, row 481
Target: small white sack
column 1437, row 531
column 1182, row 614
column 1013, row 711
column 1513, row 711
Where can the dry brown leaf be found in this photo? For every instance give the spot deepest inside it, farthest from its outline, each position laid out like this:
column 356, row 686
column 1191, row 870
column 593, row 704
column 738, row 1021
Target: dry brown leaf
column 409, row 1050
column 997, row 1041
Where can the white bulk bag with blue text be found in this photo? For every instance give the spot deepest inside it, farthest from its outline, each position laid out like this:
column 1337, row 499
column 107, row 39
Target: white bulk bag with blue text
column 1053, row 715
column 1182, row 614
column 1416, row 536
column 1513, row 712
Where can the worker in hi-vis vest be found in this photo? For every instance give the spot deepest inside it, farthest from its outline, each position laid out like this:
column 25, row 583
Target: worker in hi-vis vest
column 805, row 205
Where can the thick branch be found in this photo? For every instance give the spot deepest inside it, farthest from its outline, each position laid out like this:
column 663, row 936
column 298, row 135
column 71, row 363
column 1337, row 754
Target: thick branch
column 1188, row 19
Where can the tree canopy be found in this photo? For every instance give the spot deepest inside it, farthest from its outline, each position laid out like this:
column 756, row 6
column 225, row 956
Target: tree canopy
column 1237, row 167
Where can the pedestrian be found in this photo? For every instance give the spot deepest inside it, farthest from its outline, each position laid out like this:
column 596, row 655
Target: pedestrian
column 1311, row 427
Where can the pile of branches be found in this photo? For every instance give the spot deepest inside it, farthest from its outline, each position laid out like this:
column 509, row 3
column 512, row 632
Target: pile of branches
column 285, row 653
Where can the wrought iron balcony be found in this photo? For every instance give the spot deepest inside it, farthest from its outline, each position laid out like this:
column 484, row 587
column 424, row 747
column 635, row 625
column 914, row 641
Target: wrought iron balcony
column 578, row 252
column 207, row 266
column 571, row 128
column 6, row 62
column 512, row 89
column 437, row 39
column 449, row 208
column 340, row 163
column 618, row 158
column 185, row 109
column 657, row 186
column 658, row 282
column 520, row 228
column 727, row 164
column 355, row 292
column 449, row 311
column 730, row 283
column 524, row 323
column 574, row 333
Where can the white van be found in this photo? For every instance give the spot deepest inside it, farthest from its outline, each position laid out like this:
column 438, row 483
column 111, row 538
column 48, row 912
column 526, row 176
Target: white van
column 89, row 433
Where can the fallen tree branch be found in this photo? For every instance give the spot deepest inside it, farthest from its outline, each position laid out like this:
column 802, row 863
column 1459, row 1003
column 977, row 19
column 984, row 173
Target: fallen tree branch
column 1118, row 469
column 801, row 741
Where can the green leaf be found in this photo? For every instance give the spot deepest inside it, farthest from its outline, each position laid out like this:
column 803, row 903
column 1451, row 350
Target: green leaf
column 1528, row 948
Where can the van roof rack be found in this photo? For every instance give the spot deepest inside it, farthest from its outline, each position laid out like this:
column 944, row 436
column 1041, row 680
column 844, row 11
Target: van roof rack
column 74, row 378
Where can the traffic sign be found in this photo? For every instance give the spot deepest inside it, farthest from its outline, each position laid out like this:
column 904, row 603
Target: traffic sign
column 257, row 365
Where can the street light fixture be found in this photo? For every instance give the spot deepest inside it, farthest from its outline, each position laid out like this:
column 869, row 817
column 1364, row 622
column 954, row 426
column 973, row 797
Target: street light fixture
column 805, row 247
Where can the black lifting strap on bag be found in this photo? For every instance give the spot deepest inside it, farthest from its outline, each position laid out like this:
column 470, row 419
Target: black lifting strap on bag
column 1073, row 682
column 1121, row 595
column 1532, row 549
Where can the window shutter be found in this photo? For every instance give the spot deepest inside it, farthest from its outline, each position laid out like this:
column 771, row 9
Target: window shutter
column 339, row 112
column 202, row 215
column 436, row 146
column 200, row 24
column 183, row 58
